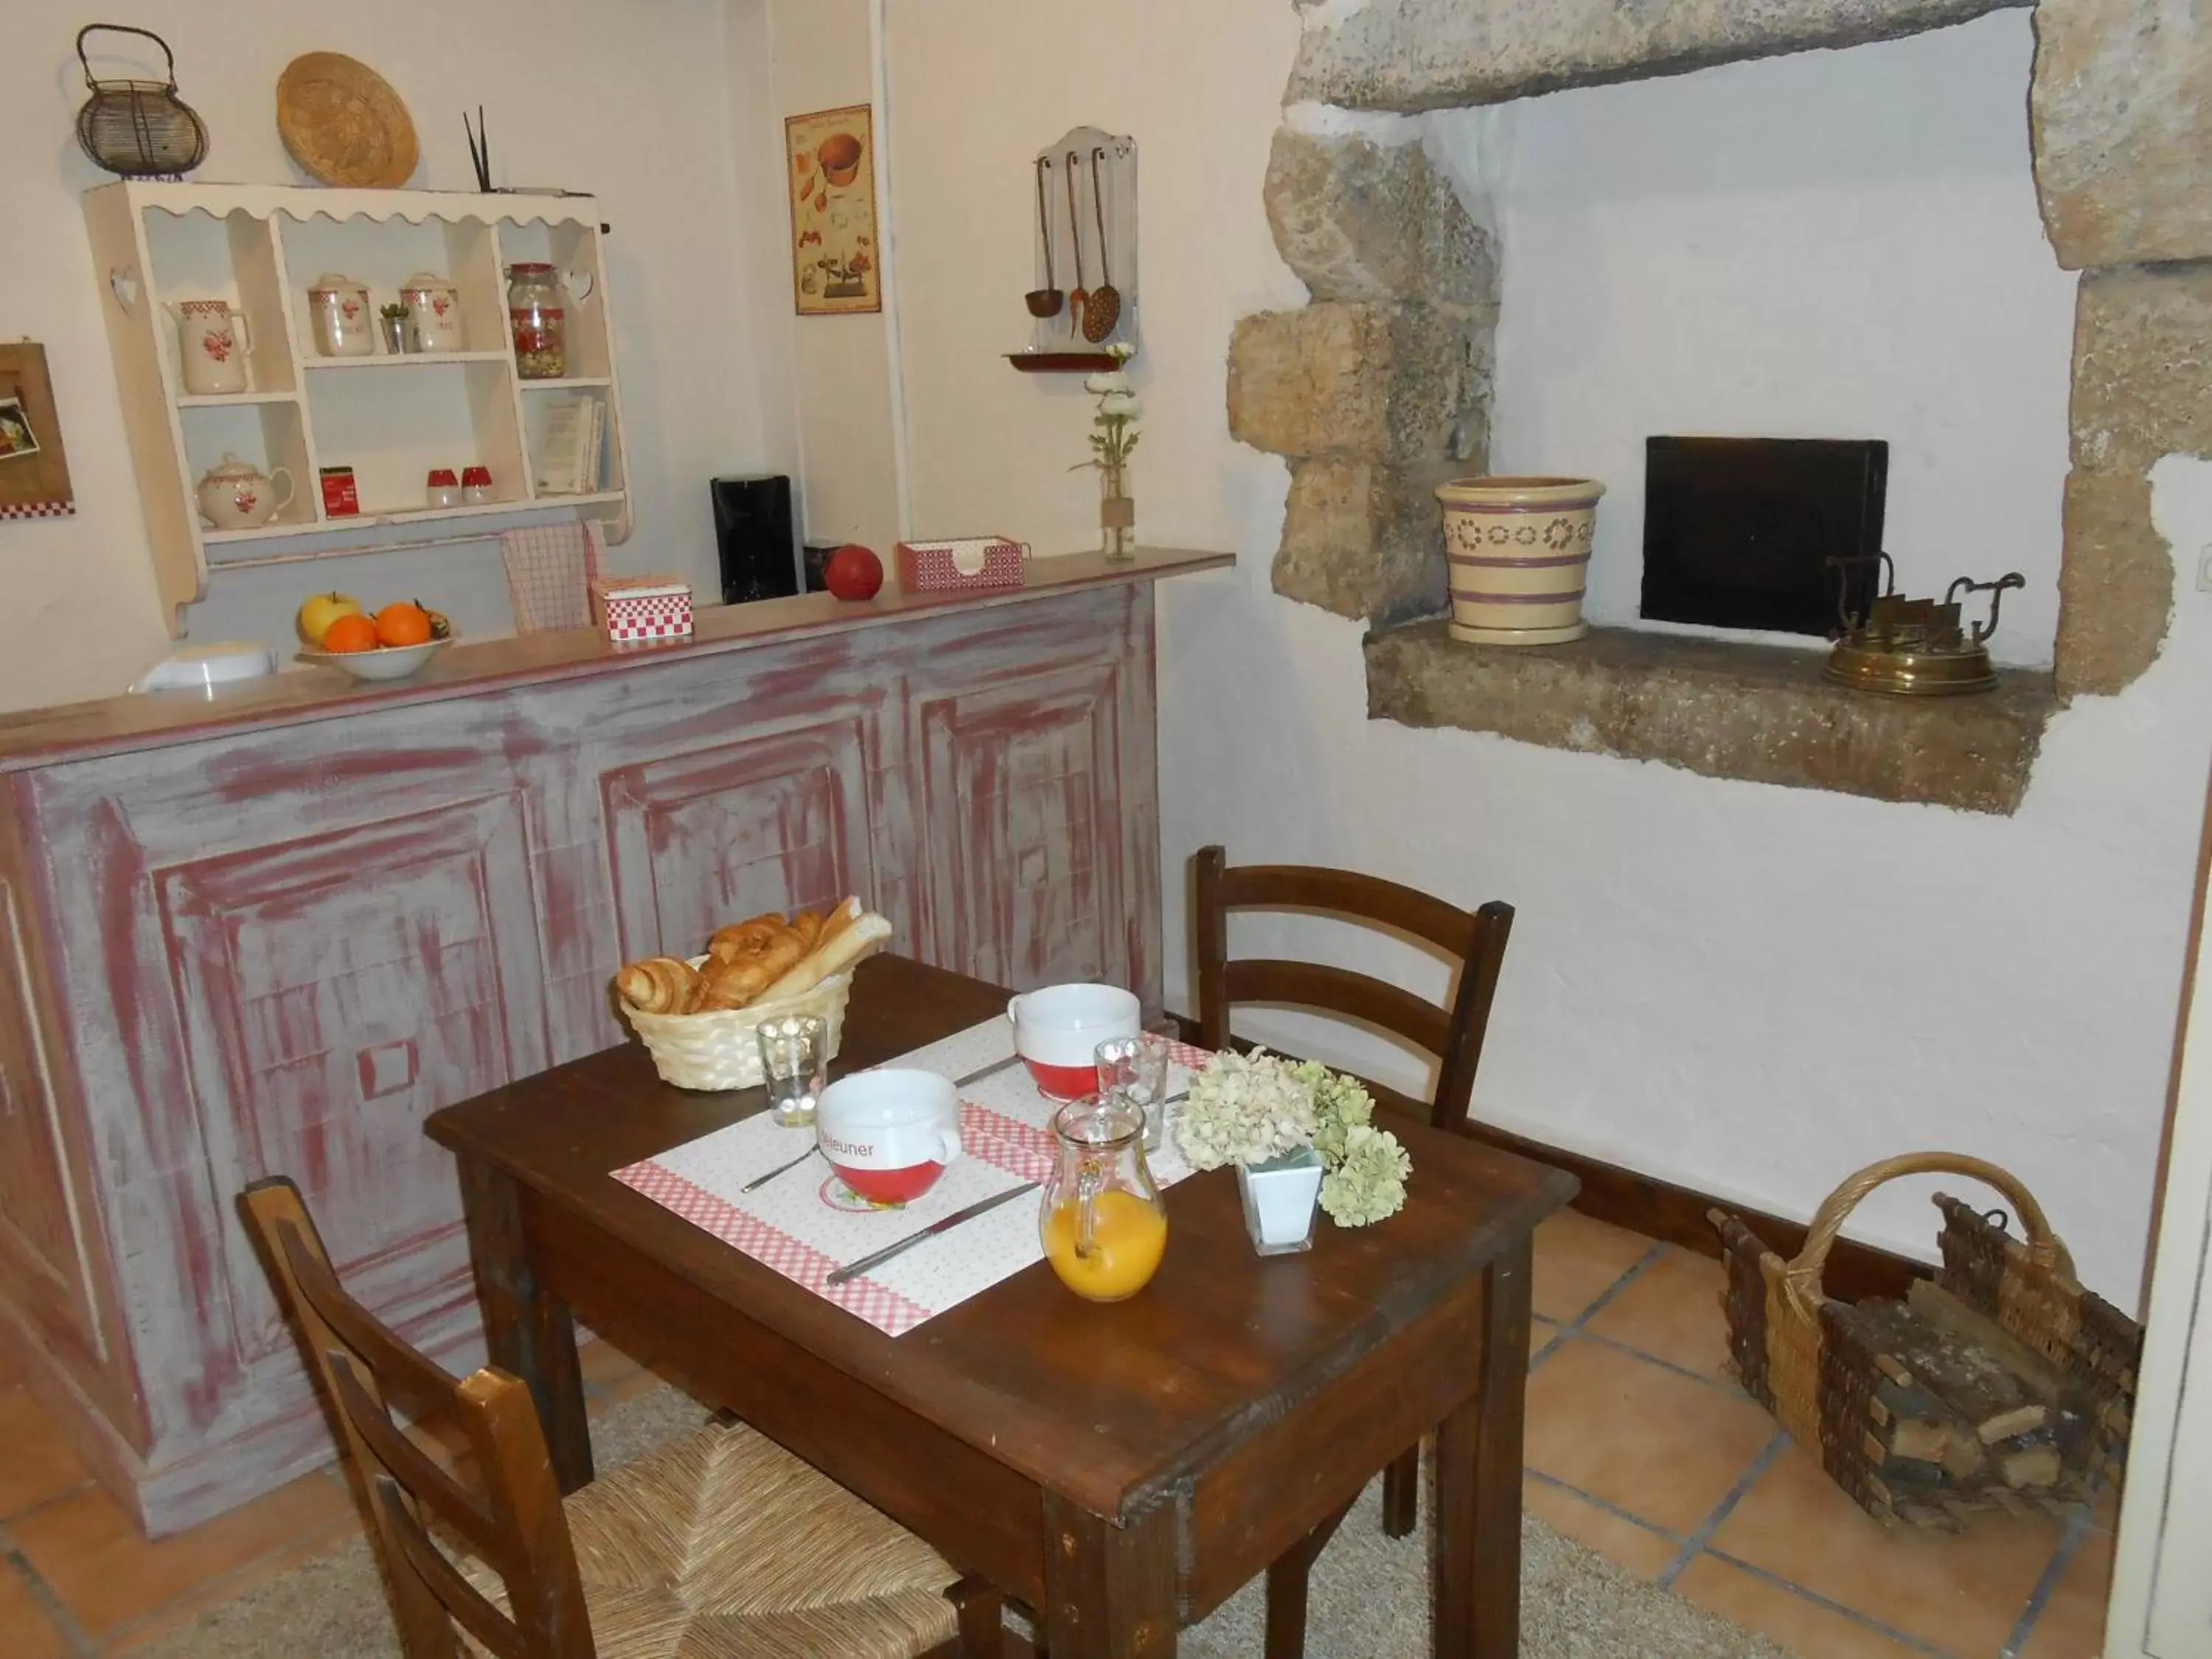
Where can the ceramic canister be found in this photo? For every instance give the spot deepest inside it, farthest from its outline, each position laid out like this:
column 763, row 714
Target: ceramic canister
column 1519, row 551
column 345, row 324
column 433, row 312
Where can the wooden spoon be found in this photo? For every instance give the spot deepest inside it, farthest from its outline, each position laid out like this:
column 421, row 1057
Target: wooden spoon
column 1044, row 301
column 1077, row 298
column 1104, row 309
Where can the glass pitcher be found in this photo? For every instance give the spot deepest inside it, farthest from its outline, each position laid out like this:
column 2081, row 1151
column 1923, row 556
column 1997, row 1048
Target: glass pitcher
column 1103, row 1220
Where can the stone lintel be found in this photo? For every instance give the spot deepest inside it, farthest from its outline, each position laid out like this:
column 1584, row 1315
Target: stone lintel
column 1722, row 708
column 1412, row 55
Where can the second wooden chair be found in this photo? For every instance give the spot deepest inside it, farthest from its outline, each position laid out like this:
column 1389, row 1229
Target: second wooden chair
column 1453, row 1034
column 719, row 1545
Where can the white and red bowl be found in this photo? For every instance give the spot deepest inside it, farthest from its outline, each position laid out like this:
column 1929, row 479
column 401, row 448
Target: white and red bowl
column 889, row 1132
column 1057, row 1032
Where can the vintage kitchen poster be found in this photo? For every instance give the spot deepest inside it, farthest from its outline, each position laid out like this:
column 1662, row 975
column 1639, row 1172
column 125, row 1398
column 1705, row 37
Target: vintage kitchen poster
column 836, row 266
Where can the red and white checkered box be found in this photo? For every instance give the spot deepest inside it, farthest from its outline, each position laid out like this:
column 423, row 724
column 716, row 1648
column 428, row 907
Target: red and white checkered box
column 632, row 609
column 966, row 565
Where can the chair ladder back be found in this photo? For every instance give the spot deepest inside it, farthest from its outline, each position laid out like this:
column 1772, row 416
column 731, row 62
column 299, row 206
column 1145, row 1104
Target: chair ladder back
column 1455, row 1036
column 1470, row 1015
column 1338, row 991
column 517, row 1524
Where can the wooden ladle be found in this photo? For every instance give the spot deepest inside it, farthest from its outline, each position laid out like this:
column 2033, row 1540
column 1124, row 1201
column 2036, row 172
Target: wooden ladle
column 1044, row 301
column 1105, row 308
column 1078, row 298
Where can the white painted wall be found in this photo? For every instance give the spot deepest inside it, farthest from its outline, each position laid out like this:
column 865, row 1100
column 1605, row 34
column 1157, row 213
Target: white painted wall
column 1831, row 245
column 630, row 102
column 1750, row 989
column 821, row 54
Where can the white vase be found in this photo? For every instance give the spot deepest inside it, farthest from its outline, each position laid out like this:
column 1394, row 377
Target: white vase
column 1280, row 1198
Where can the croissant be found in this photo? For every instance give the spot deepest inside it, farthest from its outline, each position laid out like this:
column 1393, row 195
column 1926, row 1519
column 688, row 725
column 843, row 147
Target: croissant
column 734, row 984
column 657, row 985
column 742, row 939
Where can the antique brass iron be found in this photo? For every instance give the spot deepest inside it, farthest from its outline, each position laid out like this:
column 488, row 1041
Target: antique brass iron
column 1915, row 647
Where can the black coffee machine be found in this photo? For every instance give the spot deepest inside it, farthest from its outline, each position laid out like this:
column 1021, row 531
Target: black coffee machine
column 754, row 535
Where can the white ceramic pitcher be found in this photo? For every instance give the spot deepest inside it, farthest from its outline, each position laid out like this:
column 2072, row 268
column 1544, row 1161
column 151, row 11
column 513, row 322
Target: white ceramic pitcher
column 212, row 338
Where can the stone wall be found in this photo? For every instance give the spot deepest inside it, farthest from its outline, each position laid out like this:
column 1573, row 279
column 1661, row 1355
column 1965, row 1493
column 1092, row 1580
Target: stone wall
column 1380, row 386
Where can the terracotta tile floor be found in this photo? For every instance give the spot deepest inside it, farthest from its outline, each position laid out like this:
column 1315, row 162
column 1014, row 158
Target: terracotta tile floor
column 1637, row 1446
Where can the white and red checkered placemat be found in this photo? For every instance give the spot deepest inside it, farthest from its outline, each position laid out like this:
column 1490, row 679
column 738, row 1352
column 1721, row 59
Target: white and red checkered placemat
column 804, row 1223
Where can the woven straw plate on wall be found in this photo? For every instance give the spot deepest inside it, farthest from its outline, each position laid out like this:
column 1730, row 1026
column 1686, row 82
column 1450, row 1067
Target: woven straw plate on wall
column 341, row 121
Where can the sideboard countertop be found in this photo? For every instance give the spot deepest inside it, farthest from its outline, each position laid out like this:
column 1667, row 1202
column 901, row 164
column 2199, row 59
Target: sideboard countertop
column 119, row 725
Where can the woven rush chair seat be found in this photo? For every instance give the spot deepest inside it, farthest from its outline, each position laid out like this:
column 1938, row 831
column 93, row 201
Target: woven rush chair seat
column 719, row 1545
column 724, row 1546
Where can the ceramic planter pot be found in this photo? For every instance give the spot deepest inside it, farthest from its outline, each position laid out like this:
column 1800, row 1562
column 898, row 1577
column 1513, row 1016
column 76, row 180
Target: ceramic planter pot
column 1519, row 551
column 1280, row 1199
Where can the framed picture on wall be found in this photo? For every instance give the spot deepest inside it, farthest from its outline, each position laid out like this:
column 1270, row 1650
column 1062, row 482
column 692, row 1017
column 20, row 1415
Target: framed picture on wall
column 34, row 481
column 837, row 263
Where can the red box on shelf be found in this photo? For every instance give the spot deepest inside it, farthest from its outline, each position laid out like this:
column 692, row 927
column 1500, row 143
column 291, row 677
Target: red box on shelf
column 636, row 610
column 341, row 497
column 971, row 564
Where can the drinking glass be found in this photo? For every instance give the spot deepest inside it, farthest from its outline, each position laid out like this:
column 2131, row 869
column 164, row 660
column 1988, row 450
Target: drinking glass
column 794, row 1052
column 1135, row 1069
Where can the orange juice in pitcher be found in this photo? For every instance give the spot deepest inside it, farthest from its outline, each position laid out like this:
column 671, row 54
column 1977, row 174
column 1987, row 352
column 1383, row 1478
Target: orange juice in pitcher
column 1102, row 1221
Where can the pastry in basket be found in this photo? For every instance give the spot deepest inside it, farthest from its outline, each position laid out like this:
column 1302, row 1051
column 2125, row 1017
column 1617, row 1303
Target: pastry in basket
column 762, row 958
column 657, row 985
column 849, row 933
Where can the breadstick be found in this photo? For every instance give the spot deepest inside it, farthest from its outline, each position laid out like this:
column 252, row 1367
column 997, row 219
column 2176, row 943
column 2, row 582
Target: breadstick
column 839, row 947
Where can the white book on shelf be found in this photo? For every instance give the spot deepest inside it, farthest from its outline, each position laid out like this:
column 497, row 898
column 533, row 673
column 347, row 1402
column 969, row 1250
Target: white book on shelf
column 595, row 444
column 560, row 465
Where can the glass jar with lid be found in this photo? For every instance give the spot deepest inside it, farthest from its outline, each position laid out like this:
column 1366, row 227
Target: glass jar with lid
column 538, row 309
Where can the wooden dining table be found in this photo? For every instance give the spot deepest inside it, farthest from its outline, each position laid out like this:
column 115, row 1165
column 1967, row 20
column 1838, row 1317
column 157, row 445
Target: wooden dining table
column 1122, row 1467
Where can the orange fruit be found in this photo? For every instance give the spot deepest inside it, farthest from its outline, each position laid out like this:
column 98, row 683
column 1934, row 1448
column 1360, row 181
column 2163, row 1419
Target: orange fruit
column 352, row 633
column 403, row 625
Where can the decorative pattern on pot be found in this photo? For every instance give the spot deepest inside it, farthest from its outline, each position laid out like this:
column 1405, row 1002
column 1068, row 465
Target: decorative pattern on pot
column 1519, row 553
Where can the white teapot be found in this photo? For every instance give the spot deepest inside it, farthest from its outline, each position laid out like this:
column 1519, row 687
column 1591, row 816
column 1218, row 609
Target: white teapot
column 236, row 495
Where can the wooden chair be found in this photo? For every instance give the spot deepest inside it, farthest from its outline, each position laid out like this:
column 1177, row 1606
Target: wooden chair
column 1454, row 1035
column 719, row 1545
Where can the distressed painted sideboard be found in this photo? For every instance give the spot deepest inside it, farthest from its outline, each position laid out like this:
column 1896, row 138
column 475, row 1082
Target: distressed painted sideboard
column 273, row 932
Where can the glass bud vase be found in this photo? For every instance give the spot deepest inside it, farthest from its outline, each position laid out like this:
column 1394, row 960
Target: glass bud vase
column 1281, row 1197
column 1117, row 514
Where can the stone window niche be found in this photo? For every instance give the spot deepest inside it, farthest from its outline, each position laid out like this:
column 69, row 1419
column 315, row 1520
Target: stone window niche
column 1379, row 386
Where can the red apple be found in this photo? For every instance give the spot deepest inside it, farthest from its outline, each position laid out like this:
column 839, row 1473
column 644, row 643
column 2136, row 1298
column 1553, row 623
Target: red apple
column 854, row 572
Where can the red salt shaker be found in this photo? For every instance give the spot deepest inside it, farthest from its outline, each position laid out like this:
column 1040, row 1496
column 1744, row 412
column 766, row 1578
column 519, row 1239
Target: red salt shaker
column 443, row 490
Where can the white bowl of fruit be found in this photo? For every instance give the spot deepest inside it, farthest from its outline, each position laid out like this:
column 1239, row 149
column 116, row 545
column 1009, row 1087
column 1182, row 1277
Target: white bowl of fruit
column 392, row 644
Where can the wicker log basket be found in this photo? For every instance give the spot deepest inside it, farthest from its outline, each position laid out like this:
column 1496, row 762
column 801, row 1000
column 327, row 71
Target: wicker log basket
column 1822, row 1370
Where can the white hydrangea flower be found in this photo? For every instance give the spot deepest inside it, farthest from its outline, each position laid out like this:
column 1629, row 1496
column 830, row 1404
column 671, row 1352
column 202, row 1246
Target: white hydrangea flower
column 1114, row 381
column 1369, row 1183
column 1121, row 403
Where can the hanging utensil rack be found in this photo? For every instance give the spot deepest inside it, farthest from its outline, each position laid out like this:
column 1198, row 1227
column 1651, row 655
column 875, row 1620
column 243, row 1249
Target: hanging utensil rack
column 1056, row 343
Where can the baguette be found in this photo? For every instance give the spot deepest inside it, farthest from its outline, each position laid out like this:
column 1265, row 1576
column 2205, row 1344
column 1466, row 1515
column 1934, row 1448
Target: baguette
column 849, row 935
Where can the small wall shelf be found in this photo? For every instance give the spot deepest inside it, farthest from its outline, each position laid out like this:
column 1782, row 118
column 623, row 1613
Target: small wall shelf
column 1060, row 362
column 260, row 248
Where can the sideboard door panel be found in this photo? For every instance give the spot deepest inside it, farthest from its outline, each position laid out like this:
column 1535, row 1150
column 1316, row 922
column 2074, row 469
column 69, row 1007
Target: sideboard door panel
column 766, row 823
column 337, row 992
column 1021, row 788
column 41, row 1242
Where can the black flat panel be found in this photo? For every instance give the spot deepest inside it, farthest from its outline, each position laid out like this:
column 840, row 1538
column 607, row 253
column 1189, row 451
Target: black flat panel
column 753, row 534
column 1737, row 532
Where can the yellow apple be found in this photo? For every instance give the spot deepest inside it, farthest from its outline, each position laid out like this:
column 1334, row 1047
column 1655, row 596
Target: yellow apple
column 318, row 613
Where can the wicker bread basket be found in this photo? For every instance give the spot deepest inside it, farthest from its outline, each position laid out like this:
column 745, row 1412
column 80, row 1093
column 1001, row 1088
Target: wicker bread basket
column 719, row 1050
column 1799, row 1354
